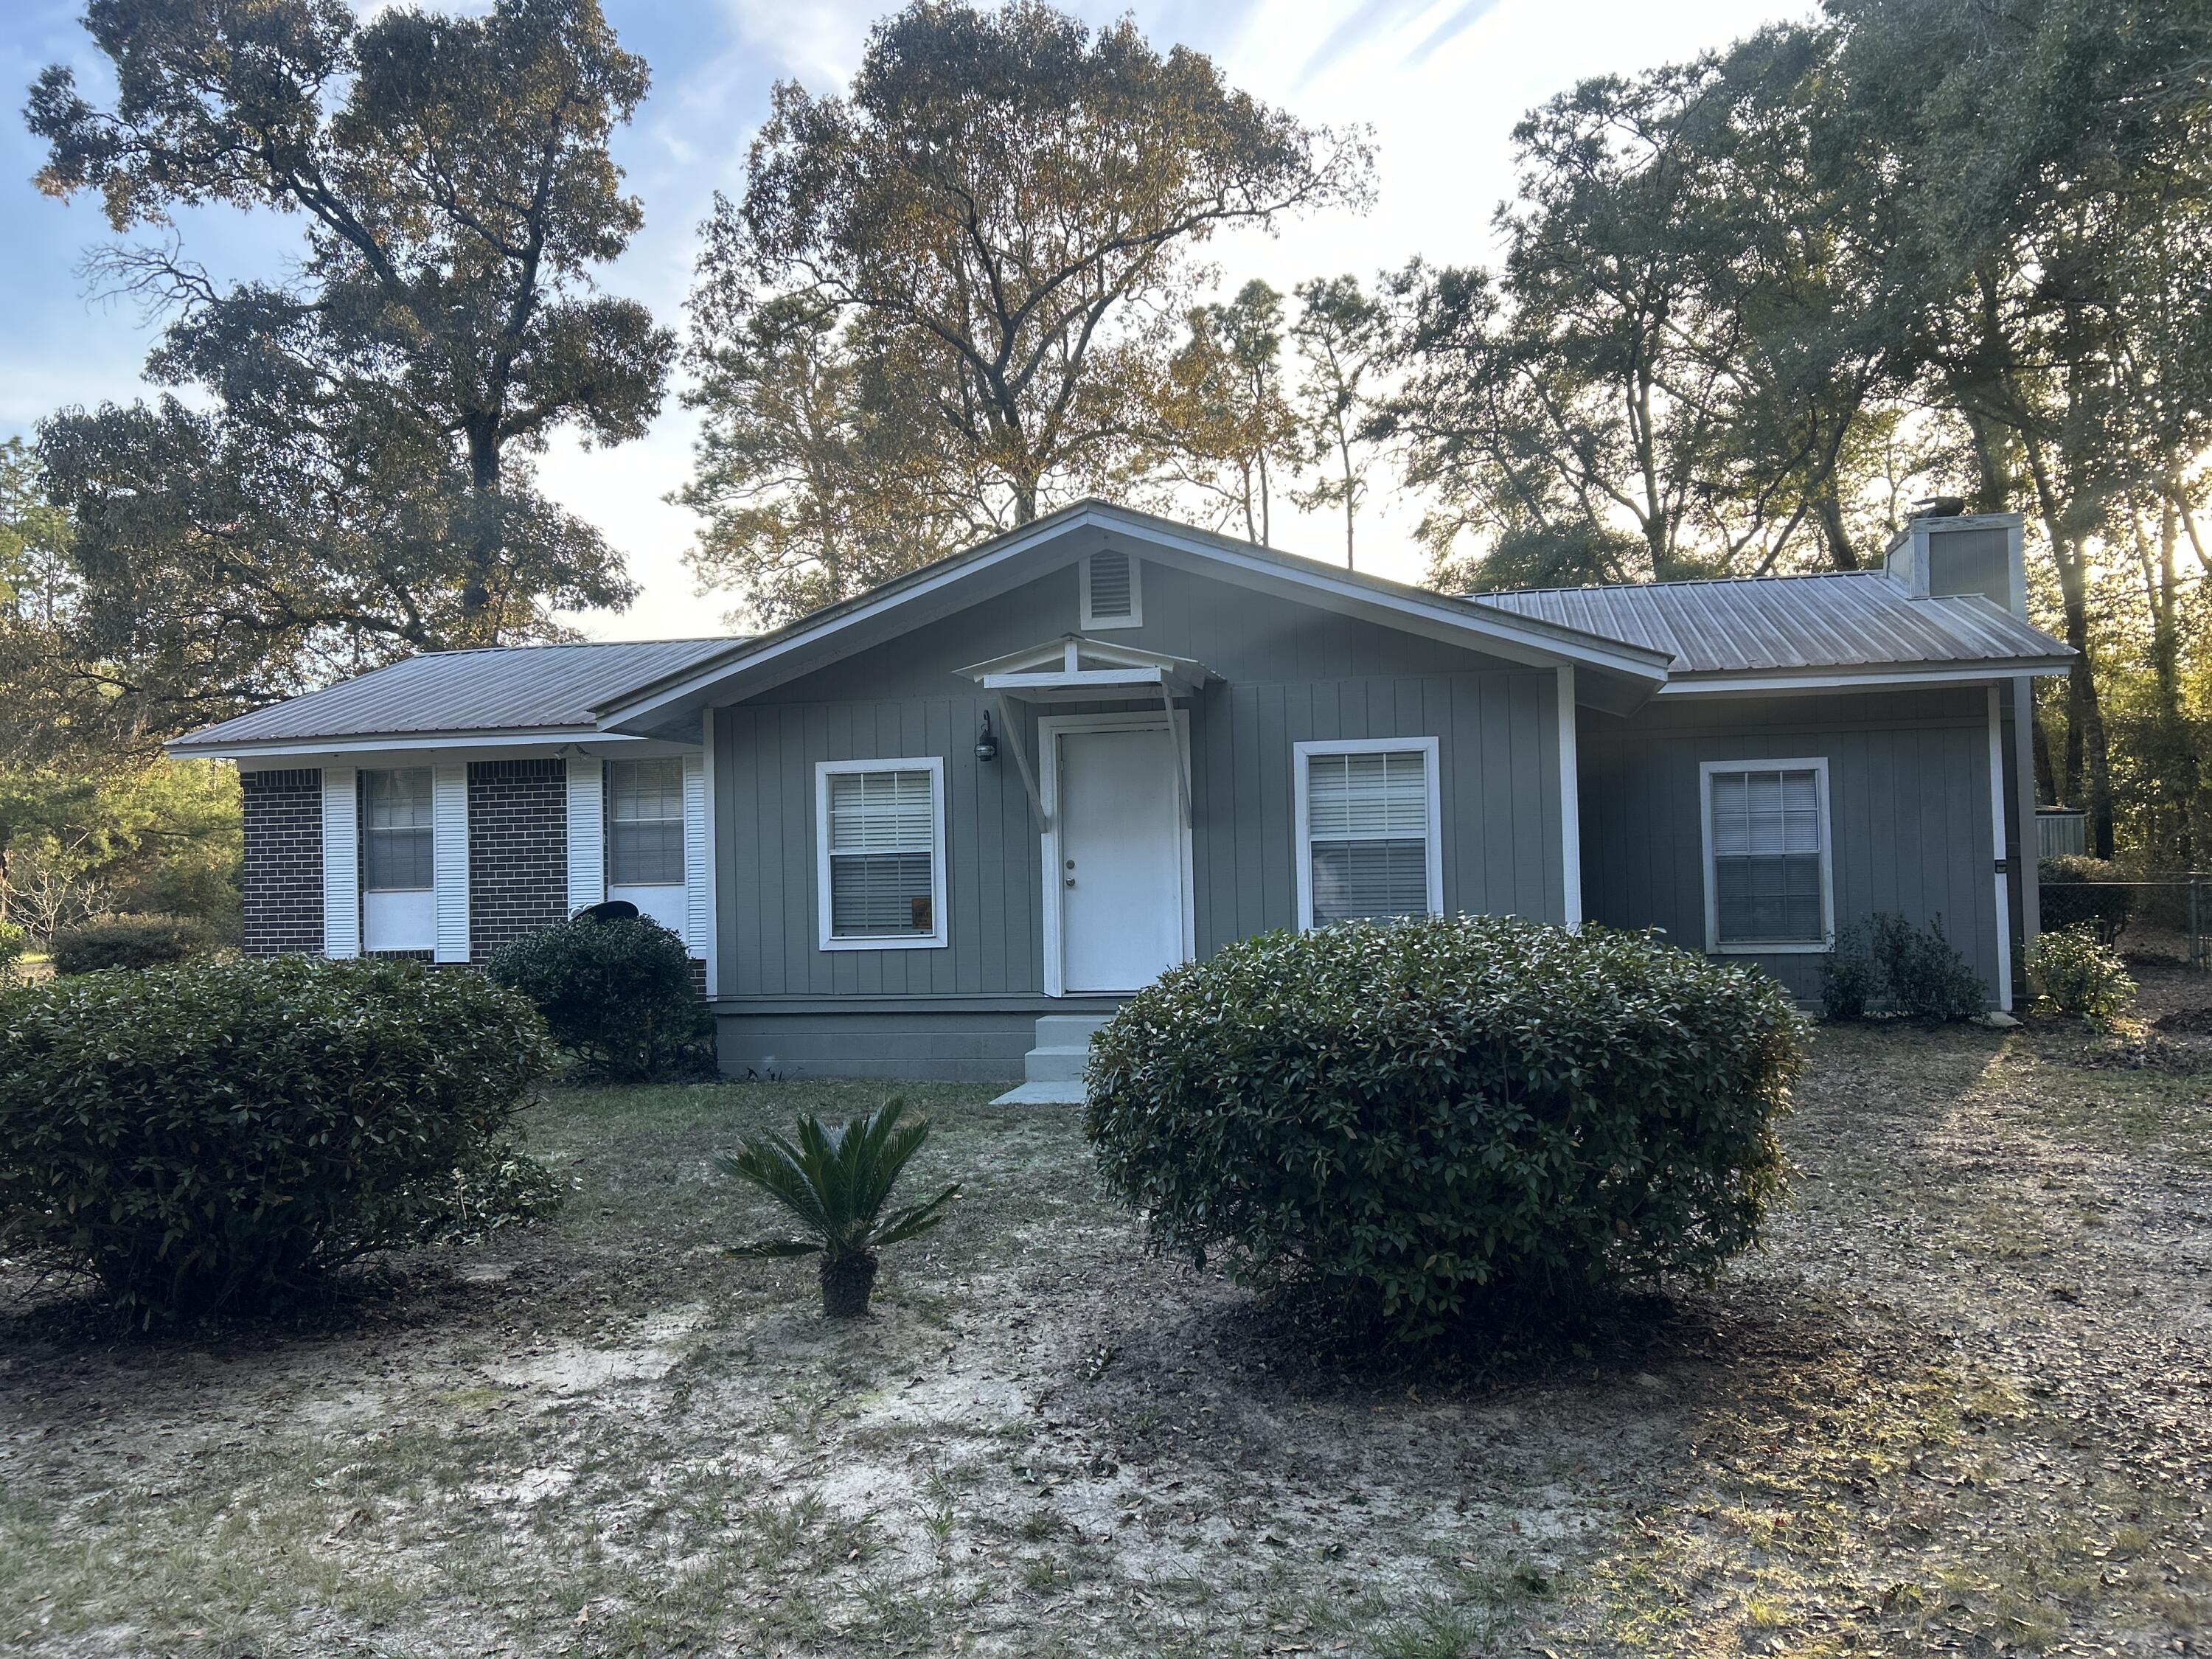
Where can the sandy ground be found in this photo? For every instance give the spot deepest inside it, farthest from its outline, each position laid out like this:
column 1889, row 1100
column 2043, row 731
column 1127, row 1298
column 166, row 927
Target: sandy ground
column 1961, row 1403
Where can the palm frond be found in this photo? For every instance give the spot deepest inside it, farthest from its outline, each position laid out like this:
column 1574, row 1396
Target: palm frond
column 914, row 1222
column 772, row 1249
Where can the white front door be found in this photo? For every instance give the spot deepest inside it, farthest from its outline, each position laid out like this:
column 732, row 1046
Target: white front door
column 1120, row 852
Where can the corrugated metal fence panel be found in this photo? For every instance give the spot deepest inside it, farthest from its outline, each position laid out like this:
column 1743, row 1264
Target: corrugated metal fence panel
column 2060, row 834
column 449, row 852
column 341, row 862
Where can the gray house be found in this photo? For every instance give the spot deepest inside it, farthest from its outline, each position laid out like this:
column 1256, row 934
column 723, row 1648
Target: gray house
column 1014, row 786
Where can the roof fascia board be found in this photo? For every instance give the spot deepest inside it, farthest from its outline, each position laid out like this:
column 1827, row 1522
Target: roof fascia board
column 1746, row 685
column 540, row 737
column 959, row 584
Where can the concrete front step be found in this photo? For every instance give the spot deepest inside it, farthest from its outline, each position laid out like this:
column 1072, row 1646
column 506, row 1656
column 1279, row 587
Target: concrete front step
column 1053, row 1071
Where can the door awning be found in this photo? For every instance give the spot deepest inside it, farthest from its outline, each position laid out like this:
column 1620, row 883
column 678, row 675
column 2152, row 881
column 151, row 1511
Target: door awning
column 1075, row 668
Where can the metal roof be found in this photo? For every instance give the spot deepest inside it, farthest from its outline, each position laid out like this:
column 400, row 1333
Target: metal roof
column 532, row 688
column 1848, row 620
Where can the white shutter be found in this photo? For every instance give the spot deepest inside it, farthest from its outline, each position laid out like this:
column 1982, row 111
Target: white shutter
column 587, row 853
column 697, row 916
column 341, row 862
column 449, row 855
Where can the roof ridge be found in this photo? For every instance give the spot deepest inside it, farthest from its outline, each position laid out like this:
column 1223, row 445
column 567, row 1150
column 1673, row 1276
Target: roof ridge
column 573, row 645
column 1682, row 581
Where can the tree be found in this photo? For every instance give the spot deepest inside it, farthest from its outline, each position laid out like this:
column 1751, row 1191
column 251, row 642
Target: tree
column 1226, row 424
column 806, row 467
column 352, row 479
column 1003, row 210
column 1342, row 336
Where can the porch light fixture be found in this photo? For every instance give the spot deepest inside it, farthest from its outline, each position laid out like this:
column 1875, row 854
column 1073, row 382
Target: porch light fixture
column 986, row 746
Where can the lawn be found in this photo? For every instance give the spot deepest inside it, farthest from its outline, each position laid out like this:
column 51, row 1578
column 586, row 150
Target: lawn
column 1961, row 1403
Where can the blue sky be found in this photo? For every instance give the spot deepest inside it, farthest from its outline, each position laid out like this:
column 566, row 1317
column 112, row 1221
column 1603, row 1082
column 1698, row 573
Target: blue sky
column 1441, row 80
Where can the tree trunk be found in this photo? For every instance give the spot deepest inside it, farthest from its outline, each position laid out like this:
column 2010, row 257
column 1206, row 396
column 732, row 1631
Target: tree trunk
column 1842, row 556
column 2046, row 783
column 847, row 1283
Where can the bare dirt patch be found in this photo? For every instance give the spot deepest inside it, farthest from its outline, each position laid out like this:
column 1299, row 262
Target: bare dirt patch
column 1962, row 1403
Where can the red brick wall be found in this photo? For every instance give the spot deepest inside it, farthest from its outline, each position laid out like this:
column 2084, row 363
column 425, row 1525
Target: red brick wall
column 518, row 850
column 281, row 880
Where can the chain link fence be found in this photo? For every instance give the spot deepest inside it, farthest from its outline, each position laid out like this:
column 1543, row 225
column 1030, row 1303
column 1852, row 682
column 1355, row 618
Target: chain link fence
column 2159, row 918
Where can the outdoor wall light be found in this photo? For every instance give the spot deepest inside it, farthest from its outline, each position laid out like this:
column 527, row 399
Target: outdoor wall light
column 986, row 746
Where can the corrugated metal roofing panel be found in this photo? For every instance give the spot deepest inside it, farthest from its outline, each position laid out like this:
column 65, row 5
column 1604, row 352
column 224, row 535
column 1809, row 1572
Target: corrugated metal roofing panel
column 1858, row 619
column 509, row 688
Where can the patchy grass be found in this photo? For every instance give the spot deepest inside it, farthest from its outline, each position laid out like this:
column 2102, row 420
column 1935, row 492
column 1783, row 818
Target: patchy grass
column 1961, row 1403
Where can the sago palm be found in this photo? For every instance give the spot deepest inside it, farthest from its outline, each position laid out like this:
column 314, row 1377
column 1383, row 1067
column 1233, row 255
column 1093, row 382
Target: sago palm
column 836, row 1181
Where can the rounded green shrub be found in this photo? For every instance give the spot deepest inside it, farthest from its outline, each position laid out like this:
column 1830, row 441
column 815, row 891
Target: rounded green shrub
column 619, row 995
column 129, row 942
column 2077, row 891
column 222, row 1135
column 1423, row 1117
column 2081, row 975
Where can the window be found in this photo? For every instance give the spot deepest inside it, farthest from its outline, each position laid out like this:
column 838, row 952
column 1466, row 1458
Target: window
column 880, row 830
column 1767, row 881
column 396, row 853
column 1112, row 592
column 645, row 823
column 1367, row 827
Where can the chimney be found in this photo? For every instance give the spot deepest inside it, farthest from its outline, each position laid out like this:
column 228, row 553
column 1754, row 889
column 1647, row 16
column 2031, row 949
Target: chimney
column 1942, row 553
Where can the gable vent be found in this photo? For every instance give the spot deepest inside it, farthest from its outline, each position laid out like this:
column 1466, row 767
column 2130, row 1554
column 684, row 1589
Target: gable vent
column 1110, row 594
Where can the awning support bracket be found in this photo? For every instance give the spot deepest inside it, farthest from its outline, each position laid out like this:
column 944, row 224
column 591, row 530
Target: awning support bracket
column 1012, row 729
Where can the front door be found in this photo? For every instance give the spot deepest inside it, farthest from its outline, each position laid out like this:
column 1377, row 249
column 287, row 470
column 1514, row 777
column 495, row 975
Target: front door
column 1120, row 848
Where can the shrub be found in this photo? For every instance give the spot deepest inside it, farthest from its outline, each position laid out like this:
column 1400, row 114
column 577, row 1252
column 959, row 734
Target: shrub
column 1416, row 1116
column 1851, row 978
column 2081, row 975
column 835, row 1182
column 2079, row 891
column 224, row 1133
column 617, row 993
column 129, row 942
column 1925, row 976
column 13, row 941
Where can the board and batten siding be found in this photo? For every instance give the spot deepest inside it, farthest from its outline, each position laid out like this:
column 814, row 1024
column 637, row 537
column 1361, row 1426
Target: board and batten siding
column 1909, row 811
column 1291, row 674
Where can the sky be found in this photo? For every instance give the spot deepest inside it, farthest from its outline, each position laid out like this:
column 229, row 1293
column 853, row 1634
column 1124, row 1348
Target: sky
column 1441, row 83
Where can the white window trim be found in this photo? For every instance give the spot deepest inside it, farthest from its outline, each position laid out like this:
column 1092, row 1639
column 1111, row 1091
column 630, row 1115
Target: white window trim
column 824, row 771
column 1302, row 847
column 1818, row 765
column 685, row 766
column 1090, row 623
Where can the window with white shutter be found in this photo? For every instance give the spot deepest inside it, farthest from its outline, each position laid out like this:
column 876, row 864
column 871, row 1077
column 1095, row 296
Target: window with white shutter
column 880, row 830
column 1368, row 831
column 1112, row 592
column 1767, row 876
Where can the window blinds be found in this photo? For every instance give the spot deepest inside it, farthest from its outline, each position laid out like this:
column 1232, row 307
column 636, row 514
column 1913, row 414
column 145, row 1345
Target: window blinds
column 1767, row 857
column 882, row 838
column 1367, row 826
column 396, row 850
column 645, row 823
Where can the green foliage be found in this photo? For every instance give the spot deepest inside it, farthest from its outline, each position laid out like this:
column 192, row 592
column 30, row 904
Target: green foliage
column 997, row 217
column 2081, row 975
column 1342, row 335
column 835, row 1182
column 223, row 1135
column 1423, row 1117
column 2080, row 892
column 1883, row 959
column 129, row 942
column 1852, row 978
column 349, row 478
column 1227, row 428
column 617, row 993
column 13, row 941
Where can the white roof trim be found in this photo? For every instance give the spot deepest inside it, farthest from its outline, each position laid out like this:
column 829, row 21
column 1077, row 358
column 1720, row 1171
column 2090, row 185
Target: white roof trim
column 1530, row 640
column 377, row 742
column 1832, row 679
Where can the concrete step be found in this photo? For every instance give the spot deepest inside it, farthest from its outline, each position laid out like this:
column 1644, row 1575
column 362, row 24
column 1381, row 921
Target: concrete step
column 1053, row 1071
column 1060, row 1063
column 1043, row 1094
column 1068, row 1030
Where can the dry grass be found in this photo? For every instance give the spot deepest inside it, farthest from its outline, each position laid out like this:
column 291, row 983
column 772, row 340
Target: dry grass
column 1962, row 1403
